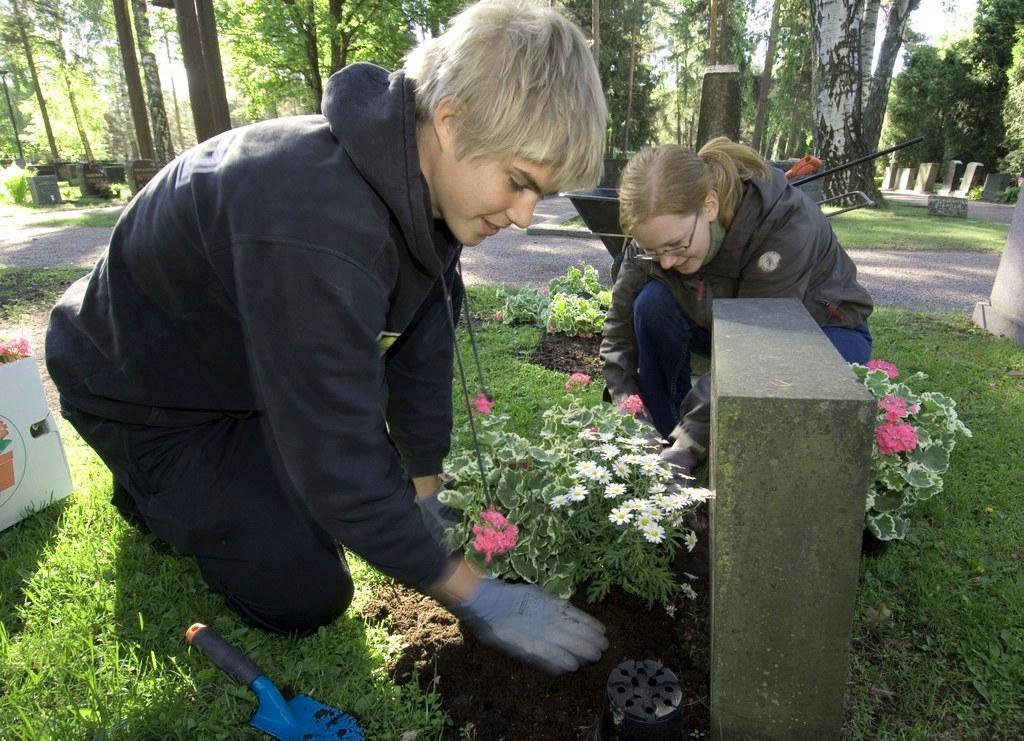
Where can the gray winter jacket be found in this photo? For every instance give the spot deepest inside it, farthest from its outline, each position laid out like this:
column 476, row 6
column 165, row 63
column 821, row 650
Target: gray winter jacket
column 779, row 245
column 284, row 269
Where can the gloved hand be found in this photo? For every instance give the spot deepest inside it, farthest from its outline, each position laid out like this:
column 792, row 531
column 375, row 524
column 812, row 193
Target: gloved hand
column 682, row 463
column 527, row 623
column 438, row 518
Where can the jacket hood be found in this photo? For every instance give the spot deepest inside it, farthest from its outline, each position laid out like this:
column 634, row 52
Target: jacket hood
column 755, row 217
column 373, row 116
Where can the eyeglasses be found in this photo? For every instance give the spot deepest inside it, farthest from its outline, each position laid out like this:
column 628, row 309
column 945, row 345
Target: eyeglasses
column 673, row 252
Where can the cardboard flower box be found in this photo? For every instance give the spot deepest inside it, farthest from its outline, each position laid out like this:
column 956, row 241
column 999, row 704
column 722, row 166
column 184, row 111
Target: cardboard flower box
column 33, row 468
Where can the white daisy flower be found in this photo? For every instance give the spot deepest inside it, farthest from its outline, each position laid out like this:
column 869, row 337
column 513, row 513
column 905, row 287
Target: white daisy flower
column 608, row 451
column 577, row 493
column 620, row 515
column 657, row 487
column 635, row 504
column 688, row 591
column 644, row 521
column 586, row 469
column 654, row 533
column 698, row 494
column 614, row 490
column 621, row 469
column 637, row 442
column 558, row 502
column 654, row 513
column 589, row 434
column 602, row 475
column 690, row 540
column 606, row 436
column 675, row 502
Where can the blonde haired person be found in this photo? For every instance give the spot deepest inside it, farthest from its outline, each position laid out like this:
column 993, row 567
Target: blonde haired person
column 718, row 223
column 263, row 355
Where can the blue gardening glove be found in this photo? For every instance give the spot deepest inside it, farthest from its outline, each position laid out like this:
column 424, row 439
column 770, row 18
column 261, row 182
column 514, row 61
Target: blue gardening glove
column 439, row 518
column 527, row 623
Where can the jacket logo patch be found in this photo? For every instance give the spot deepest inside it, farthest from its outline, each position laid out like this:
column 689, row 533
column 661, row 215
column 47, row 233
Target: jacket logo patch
column 769, row 262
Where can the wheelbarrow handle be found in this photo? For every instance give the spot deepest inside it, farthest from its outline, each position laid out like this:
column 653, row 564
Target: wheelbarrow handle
column 224, row 655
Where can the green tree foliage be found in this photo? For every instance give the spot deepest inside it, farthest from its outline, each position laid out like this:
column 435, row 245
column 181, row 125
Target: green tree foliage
column 1013, row 109
column 625, row 35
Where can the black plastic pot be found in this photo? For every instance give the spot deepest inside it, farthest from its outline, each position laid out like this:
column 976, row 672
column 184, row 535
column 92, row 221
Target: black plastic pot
column 643, row 703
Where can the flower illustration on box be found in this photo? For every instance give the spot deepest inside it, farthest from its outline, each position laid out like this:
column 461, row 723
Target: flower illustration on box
column 6, row 457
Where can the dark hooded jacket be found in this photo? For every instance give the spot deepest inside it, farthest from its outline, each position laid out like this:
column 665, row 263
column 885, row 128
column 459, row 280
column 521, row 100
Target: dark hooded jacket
column 779, row 245
column 290, row 269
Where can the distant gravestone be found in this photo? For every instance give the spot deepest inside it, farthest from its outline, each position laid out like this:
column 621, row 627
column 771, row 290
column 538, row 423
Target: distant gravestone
column 45, row 170
column 994, row 184
column 905, row 176
column 889, row 178
column 65, row 171
column 92, row 181
column 949, row 177
column 972, row 176
column 947, row 206
column 719, row 104
column 927, row 173
column 1003, row 314
column 138, row 173
column 114, row 173
column 44, row 190
column 786, row 522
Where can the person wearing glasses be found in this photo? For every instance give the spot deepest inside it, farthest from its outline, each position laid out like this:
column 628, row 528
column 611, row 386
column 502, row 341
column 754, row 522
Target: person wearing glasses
column 718, row 223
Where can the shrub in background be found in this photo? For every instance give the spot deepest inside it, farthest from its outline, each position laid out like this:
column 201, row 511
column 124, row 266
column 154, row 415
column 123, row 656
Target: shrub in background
column 13, row 185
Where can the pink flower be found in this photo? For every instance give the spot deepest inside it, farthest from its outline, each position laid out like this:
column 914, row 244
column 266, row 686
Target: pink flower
column 895, row 437
column 496, row 536
column 483, row 403
column 633, row 404
column 497, row 316
column 545, row 291
column 576, row 381
column 896, row 408
column 890, row 370
column 15, row 348
column 587, row 335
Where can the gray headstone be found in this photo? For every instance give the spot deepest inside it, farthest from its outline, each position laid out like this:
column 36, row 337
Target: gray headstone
column 947, row 206
column 889, row 178
column 790, row 464
column 92, row 181
column 138, row 173
column 719, row 104
column 949, row 177
column 906, row 176
column 44, row 189
column 972, row 176
column 994, row 184
column 1004, row 313
column 927, row 173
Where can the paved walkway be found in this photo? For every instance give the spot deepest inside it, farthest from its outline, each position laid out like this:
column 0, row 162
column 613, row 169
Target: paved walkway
column 940, row 281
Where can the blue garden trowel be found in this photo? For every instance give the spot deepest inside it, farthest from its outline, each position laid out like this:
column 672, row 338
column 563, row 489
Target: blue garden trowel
column 300, row 719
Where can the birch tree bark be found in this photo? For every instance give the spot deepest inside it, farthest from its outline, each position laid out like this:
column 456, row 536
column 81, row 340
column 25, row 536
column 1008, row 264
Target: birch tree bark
column 766, row 77
column 836, row 85
column 21, row 22
column 151, row 77
column 876, row 86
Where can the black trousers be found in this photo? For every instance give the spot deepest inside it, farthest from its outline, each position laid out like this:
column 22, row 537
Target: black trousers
column 212, row 491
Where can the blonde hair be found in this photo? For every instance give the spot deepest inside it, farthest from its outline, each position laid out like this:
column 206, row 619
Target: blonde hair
column 673, row 180
column 525, row 84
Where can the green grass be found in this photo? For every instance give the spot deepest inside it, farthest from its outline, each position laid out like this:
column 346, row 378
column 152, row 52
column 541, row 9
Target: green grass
column 911, row 228
column 26, row 291
column 93, row 612
column 104, row 219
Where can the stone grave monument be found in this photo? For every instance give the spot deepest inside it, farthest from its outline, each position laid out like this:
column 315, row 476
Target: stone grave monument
column 994, row 183
column 138, row 173
column 719, row 104
column 927, row 173
column 791, row 442
column 949, row 177
column 905, row 177
column 92, row 181
column 1003, row 313
column 889, row 178
column 44, row 189
column 972, row 176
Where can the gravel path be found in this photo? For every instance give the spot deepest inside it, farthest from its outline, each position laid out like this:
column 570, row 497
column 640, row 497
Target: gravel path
column 940, row 281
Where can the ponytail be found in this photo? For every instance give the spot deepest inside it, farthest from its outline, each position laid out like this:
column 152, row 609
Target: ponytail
column 672, row 180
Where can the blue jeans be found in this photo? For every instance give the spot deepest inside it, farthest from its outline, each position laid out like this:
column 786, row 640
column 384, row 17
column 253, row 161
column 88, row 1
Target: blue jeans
column 666, row 338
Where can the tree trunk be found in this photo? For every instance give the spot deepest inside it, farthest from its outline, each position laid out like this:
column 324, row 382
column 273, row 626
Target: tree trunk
column 629, row 91
column 22, row 23
column 766, row 78
column 131, row 74
column 595, row 30
column 75, row 114
column 878, row 95
column 154, row 93
column 838, row 130
column 868, row 25
column 174, row 95
column 335, row 9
